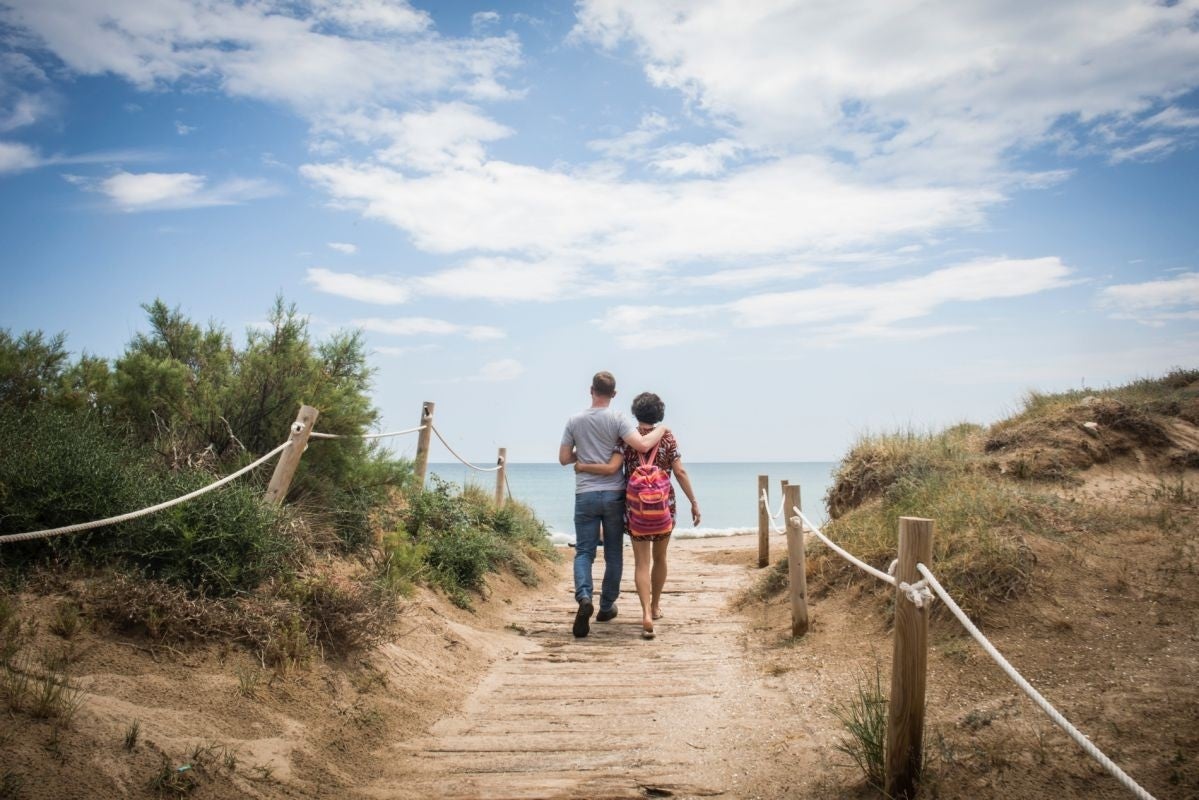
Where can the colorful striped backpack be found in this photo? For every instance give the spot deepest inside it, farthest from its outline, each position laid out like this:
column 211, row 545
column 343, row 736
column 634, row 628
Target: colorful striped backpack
column 647, row 498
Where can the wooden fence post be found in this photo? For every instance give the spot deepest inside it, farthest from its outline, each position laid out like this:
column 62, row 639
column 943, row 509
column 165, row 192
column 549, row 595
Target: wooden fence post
column 289, row 459
column 909, row 663
column 421, row 466
column 796, row 562
column 502, row 461
column 763, row 521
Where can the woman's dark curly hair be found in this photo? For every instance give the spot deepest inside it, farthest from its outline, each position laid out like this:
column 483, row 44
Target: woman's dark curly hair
column 648, row 408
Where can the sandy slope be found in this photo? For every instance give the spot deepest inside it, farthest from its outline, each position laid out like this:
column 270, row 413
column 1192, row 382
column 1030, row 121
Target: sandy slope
column 504, row 702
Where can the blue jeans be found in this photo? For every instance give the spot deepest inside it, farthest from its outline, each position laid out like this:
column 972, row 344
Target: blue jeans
column 593, row 509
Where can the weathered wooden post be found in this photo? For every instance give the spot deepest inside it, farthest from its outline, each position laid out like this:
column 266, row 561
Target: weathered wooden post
column 763, row 521
column 289, row 459
column 909, row 663
column 796, row 562
column 502, row 461
column 783, row 487
column 421, row 466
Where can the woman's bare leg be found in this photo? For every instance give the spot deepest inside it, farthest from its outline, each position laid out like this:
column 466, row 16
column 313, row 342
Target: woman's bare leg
column 641, row 579
column 658, row 579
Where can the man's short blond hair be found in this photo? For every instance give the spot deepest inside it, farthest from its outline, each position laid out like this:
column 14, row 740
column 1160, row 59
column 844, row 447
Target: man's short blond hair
column 604, row 384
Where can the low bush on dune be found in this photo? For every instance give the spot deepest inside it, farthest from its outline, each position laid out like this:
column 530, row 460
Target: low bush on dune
column 63, row 467
column 876, row 462
column 979, row 549
column 453, row 539
column 991, row 489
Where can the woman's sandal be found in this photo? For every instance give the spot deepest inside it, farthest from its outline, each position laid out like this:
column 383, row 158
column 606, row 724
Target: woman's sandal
column 647, row 633
column 659, row 615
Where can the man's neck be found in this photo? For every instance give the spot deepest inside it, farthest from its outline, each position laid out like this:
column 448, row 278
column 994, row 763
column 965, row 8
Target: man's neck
column 598, row 401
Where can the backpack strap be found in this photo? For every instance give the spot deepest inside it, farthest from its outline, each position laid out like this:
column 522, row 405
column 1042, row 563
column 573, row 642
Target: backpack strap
column 649, row 458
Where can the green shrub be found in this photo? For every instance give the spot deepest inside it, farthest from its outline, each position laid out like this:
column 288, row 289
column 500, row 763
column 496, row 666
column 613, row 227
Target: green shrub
column 58, row 468
column 403, row 564
column 61, row 468
column 182, row 394
column 435, row 510
column 462, row 556
column 461, row 537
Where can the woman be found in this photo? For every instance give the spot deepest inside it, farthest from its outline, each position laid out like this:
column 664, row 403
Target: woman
column 649, row 552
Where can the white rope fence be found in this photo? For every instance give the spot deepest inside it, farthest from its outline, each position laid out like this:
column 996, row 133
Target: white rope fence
column 1063, row 723
column 806, row 524
column 765, row 501
column 927, row 589
column 83, row 526
column 475, row 467
column 316, row 435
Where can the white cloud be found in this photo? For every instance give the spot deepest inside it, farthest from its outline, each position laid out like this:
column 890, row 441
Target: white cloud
column 24, row 98
column 634, row 144
column 400, row 352
column 154, row 191
column 1156, row 302
column 648, row 327
column 17, row 157
column 690, row 159
column 743, row 277
column 372, row 16
column 482, row 20
column 183, row 130
column 1172, row 117
column 836, row 311
column 869, row 308
column 935, row 89
column 379, row 289
column 502, row 279
column 674, row 159
column 446, row 136
column 1156, row 148
column 331, row 54
column 506, row 369
column 426, row 326
column 344, row 247
column 766, row 210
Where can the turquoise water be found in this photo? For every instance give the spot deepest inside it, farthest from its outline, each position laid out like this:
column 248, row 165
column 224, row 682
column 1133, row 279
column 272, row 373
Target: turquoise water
column 727, row 493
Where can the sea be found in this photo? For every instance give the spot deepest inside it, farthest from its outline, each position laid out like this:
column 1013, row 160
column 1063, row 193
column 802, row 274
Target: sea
column 727, row 493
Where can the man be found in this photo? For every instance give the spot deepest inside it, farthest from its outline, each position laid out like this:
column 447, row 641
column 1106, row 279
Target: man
column 591, row 436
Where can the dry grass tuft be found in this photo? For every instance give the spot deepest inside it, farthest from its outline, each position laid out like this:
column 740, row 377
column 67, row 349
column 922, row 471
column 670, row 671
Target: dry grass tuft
column 285, row 623
column 67, row 620
column 875, row 463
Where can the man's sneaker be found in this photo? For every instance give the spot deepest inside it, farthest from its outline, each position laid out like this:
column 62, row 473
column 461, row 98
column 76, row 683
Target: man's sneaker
column 582, row 625
column 604, row 616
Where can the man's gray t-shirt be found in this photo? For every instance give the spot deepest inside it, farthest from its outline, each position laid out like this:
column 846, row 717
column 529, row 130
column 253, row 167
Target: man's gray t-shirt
column 595, row 435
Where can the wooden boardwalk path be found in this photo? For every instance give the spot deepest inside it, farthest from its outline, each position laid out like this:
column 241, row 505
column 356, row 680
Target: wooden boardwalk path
column 607, row 716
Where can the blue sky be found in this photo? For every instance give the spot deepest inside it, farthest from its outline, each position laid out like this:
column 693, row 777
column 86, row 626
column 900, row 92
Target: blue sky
column 797, row 222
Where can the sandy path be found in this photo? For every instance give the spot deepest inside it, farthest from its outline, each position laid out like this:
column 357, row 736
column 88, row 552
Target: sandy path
column 608, row 716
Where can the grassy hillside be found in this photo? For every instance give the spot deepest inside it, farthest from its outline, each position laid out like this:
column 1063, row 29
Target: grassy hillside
column 1070, row 532
column 992, row 491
